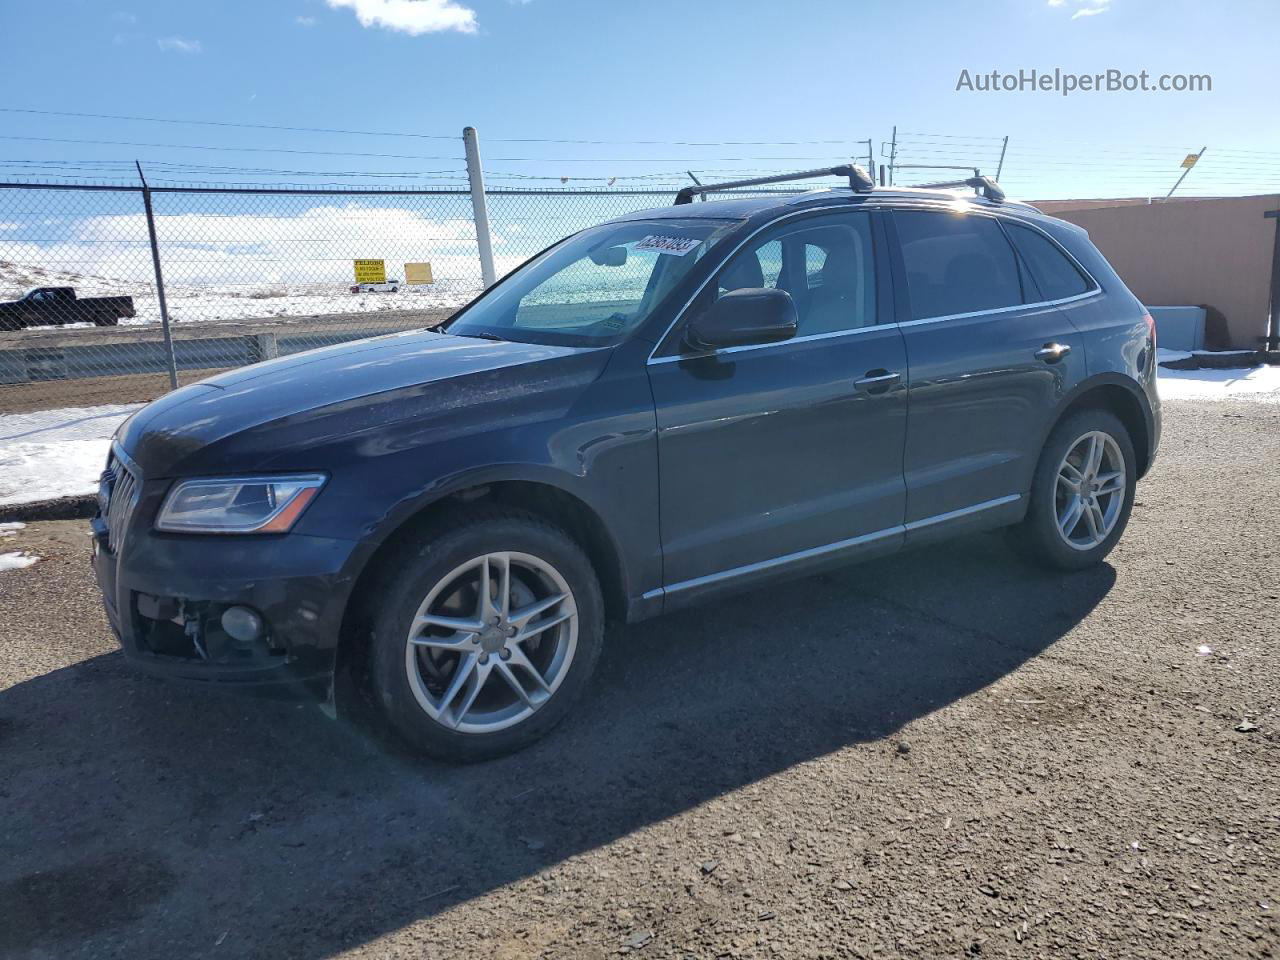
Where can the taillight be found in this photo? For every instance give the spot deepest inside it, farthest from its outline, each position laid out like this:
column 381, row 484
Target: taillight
column 1151, row 327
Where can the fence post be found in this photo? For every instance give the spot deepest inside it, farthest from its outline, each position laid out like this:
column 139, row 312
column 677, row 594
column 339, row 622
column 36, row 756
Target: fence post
column 155, row 263
column 479, row 205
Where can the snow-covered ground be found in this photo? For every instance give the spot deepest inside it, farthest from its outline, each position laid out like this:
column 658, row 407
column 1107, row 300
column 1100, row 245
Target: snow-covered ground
column 201, row 303
column 205, row 305
column 59, row 453
column 1250, row 383
column 56, row 453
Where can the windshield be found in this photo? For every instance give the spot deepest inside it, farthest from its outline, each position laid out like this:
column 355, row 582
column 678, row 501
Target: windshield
column 596, row 286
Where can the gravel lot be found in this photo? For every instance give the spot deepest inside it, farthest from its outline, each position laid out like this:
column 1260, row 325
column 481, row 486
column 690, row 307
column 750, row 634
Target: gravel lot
column 942, row 754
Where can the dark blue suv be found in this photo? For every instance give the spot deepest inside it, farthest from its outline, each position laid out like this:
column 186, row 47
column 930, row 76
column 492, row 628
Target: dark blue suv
column 655, row 411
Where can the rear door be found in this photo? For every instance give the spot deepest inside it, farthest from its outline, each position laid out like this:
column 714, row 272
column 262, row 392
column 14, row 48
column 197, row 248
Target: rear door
column 777, row 454
column 990, row 359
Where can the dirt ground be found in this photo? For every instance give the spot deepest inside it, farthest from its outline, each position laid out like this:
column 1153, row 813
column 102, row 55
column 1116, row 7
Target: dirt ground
column 942, row 754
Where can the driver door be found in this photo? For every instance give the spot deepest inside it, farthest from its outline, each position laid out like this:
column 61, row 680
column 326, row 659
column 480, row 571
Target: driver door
column 783, row 455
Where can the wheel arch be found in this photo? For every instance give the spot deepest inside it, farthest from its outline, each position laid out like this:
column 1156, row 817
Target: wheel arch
column 542, row 496
column 1120, row 396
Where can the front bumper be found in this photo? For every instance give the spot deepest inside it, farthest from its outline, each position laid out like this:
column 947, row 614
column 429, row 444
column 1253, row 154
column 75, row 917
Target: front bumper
column 163, row 596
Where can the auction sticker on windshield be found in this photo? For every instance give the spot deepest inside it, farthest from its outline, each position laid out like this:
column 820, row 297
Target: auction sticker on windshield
column 676, row 246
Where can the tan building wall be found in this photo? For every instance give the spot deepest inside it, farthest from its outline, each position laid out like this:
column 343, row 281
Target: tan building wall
column 1213, row 252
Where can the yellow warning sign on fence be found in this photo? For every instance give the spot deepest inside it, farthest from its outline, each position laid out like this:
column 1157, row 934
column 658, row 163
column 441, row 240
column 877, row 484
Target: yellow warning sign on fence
column 370, row 271
column 417, row 273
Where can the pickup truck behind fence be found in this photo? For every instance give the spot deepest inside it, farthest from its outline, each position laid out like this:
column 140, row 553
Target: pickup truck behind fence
column 56, row 306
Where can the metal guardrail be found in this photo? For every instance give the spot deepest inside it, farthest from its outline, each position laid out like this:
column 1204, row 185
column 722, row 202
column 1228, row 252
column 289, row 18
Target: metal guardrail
column 33, row 356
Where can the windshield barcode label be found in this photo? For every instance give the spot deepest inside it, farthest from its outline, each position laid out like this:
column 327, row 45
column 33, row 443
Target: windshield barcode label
column 676, row 246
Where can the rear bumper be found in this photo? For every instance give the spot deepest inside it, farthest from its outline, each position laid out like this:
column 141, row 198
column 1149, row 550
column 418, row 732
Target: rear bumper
column 164, row 595
column 1153, row 431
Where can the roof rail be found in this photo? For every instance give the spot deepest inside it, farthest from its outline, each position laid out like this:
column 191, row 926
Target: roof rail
column 859, row 181
column 984, row 185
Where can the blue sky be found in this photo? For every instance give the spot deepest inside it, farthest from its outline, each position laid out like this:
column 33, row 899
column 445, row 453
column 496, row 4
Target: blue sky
column 713, row 72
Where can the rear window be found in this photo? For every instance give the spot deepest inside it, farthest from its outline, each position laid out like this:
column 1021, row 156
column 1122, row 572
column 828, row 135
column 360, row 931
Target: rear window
column 956, row 264
column 1055, row 274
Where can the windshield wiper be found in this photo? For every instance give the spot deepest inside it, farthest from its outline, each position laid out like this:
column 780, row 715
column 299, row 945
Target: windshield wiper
column 487, row 336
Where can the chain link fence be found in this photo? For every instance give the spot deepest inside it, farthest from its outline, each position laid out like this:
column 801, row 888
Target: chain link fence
column 117, row 294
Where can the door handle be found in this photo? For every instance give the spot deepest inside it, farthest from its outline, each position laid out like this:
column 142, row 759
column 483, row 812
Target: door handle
column 1053, row 352
column 877, row 381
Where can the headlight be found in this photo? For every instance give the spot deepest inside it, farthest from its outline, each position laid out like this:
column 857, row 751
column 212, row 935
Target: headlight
column 238, row 504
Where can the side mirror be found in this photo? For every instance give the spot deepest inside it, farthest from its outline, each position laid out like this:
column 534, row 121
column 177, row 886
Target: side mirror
column 609, row 257
column 742, row 317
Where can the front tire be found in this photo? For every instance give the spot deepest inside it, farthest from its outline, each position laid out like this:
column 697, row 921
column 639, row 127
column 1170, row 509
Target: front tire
column 486, row 632
column 1082, row 492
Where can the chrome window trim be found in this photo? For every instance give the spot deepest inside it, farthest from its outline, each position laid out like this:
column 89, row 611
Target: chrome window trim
column 998, row 310
column 811, row 552
column 914, row 204
column 762, row 346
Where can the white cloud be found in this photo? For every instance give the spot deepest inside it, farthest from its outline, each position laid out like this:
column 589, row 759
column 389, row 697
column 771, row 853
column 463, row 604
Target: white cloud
column 1084, row 8
column 305, row 21
column 179, row 45
column 411, row 16
column 224, row 251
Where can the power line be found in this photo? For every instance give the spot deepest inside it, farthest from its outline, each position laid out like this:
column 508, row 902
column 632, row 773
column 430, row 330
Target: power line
column 189, row 146
column 397, row 156
column 429, row 136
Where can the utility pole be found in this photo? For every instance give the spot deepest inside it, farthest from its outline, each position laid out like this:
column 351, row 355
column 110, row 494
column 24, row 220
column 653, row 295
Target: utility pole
column 1000, row 166
column 479, row 206
column 893, row 153
column 871, row 158
column 155, row 265
column 1186, row 168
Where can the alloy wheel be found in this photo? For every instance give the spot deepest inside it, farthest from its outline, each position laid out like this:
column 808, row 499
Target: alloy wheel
column 1090, row 491
column 491, row 642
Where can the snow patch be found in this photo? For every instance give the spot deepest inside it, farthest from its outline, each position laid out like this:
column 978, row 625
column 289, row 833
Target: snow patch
column 56, row 453
column 10, row 529
column 16, row 561
column 1255, row 383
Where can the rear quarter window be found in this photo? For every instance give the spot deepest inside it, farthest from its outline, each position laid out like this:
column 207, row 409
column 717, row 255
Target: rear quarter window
column 1054, row 273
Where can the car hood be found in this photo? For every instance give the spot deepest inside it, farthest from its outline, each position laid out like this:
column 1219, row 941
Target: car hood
column 255, row 416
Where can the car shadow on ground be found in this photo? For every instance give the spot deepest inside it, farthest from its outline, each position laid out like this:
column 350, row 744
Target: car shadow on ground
column 145, row 819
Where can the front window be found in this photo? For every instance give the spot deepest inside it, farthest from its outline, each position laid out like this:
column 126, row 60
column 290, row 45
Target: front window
column 595, row 287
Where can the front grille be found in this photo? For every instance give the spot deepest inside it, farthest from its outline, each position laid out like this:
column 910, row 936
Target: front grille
column 119, row 490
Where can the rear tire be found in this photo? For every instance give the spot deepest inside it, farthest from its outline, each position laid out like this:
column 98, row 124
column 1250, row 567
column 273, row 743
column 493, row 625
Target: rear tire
column 463, row 693
column 1082, row 492
column 105, row 320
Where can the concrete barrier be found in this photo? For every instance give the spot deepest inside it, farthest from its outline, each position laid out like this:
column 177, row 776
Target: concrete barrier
column 1179, row 328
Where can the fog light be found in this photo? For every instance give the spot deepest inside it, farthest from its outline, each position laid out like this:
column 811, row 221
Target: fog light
column 242, row 624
